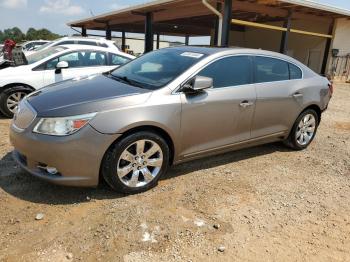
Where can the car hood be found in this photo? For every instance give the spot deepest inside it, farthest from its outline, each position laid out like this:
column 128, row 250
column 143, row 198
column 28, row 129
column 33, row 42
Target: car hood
column 84, row 95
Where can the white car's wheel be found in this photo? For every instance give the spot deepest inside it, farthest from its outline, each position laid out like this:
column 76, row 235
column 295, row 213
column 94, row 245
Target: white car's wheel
column 10, row 98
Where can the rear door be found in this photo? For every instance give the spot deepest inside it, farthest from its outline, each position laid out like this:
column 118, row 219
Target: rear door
column 222, row 115
column 278, row 96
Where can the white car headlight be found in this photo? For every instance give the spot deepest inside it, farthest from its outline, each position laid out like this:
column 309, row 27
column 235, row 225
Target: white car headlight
column 62, row 126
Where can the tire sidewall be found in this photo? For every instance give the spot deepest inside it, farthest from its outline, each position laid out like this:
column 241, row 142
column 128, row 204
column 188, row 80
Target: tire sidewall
column 293, row 138
column 111, row 158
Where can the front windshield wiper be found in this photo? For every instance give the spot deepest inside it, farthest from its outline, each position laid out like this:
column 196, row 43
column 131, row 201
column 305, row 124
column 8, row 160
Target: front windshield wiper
column 127, row 80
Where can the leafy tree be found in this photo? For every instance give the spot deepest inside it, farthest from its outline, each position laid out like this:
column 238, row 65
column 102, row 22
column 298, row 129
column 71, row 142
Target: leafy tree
column 32, row 34
column 13, row 33
column 46, row 34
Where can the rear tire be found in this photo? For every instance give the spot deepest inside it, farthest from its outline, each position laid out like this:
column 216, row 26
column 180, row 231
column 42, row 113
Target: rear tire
column 303, row 131
column 136, row 162
column 10, row 98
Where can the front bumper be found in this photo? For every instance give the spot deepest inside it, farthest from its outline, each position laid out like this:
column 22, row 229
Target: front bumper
column 77, row 157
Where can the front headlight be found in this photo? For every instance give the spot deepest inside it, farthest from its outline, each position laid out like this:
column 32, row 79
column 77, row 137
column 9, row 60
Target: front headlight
column 62, row 126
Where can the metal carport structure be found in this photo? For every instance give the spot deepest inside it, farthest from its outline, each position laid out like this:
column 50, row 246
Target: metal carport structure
column 217, row 19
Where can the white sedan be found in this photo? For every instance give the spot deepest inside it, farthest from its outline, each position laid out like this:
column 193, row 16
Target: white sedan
column 77, row 40
column 52, row 65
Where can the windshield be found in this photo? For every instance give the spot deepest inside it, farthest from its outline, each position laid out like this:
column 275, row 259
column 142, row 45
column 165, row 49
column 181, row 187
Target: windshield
column 156, row 69
column 43, row 46
column 39, row 55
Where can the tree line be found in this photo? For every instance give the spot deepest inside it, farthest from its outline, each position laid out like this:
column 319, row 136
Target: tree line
column 32, row 34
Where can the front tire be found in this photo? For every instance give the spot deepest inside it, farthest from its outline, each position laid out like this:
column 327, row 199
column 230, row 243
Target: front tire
column 135, row 163
column 304, row 130
column 10, row 98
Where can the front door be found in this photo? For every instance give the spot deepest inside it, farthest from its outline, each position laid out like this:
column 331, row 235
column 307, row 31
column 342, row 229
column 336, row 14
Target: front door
column 81, row 63
column 221, row 116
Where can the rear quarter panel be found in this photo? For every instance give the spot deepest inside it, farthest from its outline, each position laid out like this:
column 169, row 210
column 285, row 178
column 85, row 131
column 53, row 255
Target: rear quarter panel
column 316, row 92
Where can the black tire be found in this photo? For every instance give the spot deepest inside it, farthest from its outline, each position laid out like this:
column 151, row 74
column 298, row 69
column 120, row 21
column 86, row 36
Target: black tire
column 5, row 94
column 292, row 141
column 110, row 162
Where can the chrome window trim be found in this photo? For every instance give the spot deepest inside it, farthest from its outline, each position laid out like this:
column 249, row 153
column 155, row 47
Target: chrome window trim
column 252, row 55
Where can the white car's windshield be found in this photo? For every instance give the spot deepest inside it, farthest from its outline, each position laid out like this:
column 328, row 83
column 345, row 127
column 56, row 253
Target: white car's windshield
column 156, row 69
column 37, row 56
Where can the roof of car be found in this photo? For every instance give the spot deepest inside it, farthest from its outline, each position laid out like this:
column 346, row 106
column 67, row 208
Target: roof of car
column 85, row 47
column 235, row 50
column 215, row 50
column 199, row 49
column 85, row 38
column 97, row 48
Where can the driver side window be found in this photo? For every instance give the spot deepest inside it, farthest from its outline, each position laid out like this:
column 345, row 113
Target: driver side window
column 229, row 71
column 73, row 59
column 51, row 64
column 79, row 59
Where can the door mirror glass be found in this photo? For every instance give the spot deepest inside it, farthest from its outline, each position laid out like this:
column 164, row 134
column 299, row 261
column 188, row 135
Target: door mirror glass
column 198, row 84
column 62, row 65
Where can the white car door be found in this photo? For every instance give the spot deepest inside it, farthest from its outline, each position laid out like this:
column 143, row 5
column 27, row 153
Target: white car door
column 81, row 63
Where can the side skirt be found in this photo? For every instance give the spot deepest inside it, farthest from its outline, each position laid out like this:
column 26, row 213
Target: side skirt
column 280, row 136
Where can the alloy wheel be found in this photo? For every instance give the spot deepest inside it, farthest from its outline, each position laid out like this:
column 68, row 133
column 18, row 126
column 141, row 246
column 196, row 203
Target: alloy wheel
column 14, row 99
column 140, row 163
column 306, row 129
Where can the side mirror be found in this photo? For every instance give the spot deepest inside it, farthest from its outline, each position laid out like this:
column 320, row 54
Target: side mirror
column 198, row 84
column 61, row 65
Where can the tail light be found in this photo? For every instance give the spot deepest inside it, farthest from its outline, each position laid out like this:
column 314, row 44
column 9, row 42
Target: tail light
column 331, row 88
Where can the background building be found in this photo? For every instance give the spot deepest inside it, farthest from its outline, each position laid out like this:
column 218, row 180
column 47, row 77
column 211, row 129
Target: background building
column 136, row 46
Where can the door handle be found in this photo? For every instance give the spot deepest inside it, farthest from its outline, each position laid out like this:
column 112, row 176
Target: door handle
column 246, row 104
column 296, row 95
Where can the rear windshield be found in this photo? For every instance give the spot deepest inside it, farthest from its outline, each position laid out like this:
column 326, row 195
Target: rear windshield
column 39, row 55
column 158, row 68
column 43, row 46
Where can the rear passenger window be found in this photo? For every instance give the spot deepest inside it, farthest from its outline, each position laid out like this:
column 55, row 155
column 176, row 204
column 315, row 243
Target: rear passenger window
column 118, row 60
column 94, row 58
column 270, row 70
column 230, row 71
column 295, row 72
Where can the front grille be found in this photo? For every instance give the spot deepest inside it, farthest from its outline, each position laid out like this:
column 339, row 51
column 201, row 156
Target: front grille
column 24, row 116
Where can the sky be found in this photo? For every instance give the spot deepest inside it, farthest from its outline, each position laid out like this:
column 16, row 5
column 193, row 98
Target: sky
column 54, row 14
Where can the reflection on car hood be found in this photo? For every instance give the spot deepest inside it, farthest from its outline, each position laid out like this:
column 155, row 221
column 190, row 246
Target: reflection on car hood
column 85, row 95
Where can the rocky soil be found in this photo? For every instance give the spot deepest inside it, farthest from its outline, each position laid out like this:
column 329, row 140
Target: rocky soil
column 265, row 203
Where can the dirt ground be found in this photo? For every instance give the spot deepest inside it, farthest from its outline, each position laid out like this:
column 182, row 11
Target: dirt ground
column 260, row 204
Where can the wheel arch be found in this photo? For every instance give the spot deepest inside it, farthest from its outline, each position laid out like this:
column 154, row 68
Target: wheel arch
column 313, row 106
column 154, row 129
column 8, row 86
column 316, row 108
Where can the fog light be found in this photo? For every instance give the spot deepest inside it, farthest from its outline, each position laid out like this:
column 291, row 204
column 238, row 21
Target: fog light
column 52, row 170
